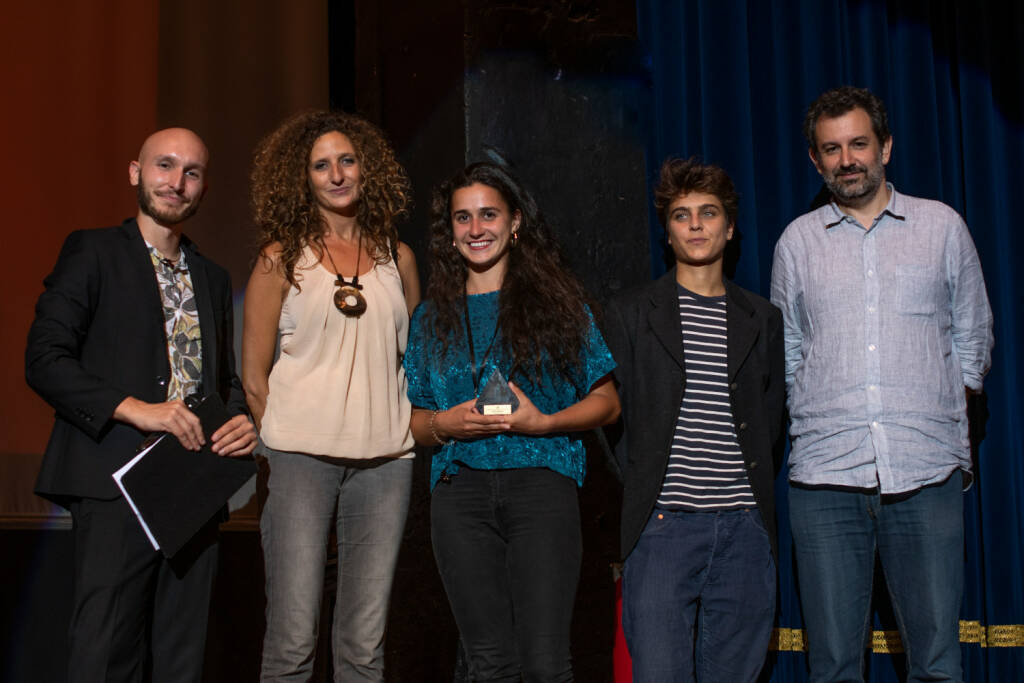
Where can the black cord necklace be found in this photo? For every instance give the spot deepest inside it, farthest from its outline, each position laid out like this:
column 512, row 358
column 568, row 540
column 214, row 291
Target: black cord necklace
column 496, row 398
column 475, row 371
column 349, row 297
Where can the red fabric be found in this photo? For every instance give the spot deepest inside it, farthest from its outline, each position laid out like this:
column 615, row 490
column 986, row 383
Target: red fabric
column 621, row 663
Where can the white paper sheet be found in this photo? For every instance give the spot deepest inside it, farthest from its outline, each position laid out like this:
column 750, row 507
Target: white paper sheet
column 117, row 478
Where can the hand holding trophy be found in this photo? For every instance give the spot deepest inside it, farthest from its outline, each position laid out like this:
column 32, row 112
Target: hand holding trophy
column 497, row 398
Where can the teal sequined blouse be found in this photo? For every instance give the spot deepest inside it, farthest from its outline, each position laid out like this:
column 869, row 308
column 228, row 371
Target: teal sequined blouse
column 440, row 383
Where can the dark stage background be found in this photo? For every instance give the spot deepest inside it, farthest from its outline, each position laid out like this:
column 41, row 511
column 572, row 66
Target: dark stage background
column 584, row 98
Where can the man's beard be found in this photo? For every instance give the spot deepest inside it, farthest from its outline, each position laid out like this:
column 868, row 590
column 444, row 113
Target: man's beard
column 874, row 176
column 162, row 217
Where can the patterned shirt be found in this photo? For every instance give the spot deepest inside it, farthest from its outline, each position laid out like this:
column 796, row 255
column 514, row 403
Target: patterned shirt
column 883, row 330
column 439, row 383
column 705, row 466
column 181, row 324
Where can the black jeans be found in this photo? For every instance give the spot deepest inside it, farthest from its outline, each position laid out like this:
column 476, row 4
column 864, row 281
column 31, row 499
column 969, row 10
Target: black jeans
column 507, row 545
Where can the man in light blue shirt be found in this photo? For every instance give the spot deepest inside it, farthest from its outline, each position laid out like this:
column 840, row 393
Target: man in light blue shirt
column 886, row 324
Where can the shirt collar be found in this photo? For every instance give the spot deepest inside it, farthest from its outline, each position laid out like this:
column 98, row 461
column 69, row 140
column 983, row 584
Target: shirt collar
column 178, row 266
column 834, row 215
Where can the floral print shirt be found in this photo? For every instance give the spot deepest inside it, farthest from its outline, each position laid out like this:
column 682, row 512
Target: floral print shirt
column 181, row 324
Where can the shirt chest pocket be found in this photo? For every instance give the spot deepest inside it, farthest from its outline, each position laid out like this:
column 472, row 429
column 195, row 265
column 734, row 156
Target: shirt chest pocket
column 918, row 290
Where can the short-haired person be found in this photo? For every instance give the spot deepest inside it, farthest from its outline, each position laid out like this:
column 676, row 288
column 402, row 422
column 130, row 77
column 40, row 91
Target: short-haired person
column 700, row 375
column 505, row 522
column 886, row 323
column 134, row 320
column 335, row 285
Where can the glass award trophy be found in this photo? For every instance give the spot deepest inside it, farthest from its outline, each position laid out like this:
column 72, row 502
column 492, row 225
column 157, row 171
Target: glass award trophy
column 497, row 398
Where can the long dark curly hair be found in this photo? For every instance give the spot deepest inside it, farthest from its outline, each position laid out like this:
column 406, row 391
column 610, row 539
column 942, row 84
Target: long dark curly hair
column 283, row 204
column 541, row 306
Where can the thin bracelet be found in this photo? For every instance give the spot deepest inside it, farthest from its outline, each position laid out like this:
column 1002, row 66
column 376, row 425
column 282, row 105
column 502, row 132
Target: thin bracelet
column 433, row 431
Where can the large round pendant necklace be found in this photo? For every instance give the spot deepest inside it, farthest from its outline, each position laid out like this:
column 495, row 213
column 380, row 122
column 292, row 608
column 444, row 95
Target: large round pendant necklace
column 349, row 297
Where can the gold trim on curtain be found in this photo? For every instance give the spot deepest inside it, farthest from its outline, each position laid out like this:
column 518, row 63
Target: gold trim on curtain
column 886, row 642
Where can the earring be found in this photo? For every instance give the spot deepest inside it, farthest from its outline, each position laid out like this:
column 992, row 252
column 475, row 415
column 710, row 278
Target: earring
column 515, row 237
column 453, row 244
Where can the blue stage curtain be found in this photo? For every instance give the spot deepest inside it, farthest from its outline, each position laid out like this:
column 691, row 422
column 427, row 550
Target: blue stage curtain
column 730, row 81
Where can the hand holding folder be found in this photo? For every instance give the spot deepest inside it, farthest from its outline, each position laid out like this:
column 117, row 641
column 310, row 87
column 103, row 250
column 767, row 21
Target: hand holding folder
column 174, row 491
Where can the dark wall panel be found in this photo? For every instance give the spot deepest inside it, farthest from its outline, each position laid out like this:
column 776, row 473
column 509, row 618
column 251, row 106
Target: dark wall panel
column 233, row 70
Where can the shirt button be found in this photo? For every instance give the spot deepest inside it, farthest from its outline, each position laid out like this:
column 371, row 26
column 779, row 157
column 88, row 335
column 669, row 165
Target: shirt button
column 872, row 387
column 743, row 425
column 733, row 386
column 871, row 347
column 871, row 273
column 752, row 465
column 871, row 309
column 875, row 423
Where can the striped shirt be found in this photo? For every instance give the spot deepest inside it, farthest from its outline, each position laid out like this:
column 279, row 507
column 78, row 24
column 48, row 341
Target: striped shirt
column 705, row 467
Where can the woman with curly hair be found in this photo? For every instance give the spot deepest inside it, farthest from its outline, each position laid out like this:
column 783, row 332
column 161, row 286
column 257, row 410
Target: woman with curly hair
column 335, row 285
column 502, row 303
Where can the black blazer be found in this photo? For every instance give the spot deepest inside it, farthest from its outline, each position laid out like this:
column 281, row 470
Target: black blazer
column 98, row 337
column 644, row 335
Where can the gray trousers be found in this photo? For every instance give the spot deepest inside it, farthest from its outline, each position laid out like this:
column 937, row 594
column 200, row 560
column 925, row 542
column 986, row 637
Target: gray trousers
column 367, row 501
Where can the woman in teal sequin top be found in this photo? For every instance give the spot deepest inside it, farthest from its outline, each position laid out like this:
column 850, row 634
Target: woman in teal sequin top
column 504, row 510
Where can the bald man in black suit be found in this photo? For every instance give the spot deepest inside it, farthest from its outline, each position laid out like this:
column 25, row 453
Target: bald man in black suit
column 132, row 321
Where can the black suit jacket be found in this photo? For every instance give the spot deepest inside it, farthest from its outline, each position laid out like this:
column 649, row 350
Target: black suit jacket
column 98, row 337
column 644, row 335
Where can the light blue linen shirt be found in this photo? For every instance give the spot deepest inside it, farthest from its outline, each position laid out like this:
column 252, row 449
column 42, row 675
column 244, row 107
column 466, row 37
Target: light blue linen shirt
column 883, row 330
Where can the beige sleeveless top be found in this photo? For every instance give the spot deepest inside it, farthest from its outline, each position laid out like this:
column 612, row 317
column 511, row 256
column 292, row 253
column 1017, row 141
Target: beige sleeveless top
column 338, row 388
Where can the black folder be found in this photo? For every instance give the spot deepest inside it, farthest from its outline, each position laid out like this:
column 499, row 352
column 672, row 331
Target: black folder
column 175, row 492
